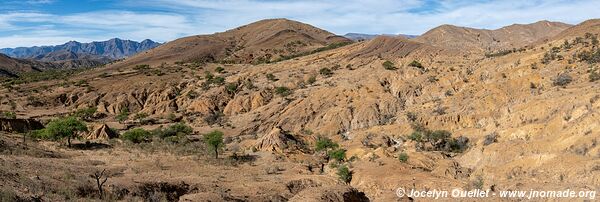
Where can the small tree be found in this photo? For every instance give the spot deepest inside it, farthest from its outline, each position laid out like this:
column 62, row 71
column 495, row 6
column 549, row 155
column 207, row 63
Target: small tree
column 98, row 176
column 324, row 143
column 416, row 64
column 10, row 115
column 344, row 174
column 283, row 91
column 326, row 72
column 214, row 140
column 64, row 128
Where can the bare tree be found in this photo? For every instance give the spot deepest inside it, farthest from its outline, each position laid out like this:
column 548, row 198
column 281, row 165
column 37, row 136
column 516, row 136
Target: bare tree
column 99, row 177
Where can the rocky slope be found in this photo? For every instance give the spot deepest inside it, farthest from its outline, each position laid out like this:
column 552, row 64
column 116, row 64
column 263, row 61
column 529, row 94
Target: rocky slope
column 259, row 42
column 520, row 120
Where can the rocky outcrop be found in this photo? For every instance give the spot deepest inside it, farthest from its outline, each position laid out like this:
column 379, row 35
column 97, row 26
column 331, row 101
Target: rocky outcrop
column 19, row 125
column 275, row 141
column 101, row 132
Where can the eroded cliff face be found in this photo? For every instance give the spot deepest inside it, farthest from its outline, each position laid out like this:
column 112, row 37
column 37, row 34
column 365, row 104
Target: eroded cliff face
column 19, row 125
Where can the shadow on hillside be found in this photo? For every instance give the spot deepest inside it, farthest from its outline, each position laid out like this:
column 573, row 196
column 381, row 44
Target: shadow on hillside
column 90, row 146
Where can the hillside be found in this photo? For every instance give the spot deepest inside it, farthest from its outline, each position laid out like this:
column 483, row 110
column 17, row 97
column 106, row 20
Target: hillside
column 11, row 67
column 398, row 113
column 482, row 40
column 258, row 42
column 363, row 37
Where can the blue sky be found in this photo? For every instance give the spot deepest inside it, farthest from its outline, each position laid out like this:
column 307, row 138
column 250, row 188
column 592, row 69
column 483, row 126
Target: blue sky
column 51, row 22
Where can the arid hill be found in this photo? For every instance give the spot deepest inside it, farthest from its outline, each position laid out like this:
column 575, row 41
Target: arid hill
column 403, row 113
column 11, row 67
column 259, row 42
column 483, row 40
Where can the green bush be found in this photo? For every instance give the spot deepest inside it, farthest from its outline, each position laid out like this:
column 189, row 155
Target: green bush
column 123, row 115
column 283, row 91
column 344, row 174
column 271, row 77
column 311, row 79
column 231, row 88
column 214, row 140
column 137, row 135
column 416, row 64
column 403, row 157
column 178, row 129
column 63, row 128
column 324, row 143
column 389, row 65
column 338, row 154
column 326, row 72
column 86, row 113
column 10, row 115
column 219, row 69
column 594, row 75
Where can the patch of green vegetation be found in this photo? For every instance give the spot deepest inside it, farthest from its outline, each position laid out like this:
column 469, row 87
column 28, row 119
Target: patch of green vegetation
column 9, row 115
column 324, row 143
column 344, row 174
column 231, row 88
column 326, row 72
column 403, row 157
column 416, row 64
column 271, row 77
column 137, row 135
column 31, row 77
column 219, row 69
column 312, row 79
column 123, row 115
column 338, row 154
column 85, row 113
column 283, row 91
column 389, row 65
column 437, row 140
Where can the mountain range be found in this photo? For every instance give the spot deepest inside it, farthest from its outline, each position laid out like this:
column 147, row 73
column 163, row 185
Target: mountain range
column 112, row 49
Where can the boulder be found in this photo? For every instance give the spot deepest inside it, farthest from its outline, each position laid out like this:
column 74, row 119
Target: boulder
column 101, row 132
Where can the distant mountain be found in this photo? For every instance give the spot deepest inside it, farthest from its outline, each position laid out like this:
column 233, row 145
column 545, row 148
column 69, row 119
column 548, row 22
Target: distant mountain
column 362, row 37
column 505, row 38
column 113, row 49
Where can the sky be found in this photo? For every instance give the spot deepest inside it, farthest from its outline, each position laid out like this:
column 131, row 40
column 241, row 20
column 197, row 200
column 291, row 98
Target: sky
column 25, row 23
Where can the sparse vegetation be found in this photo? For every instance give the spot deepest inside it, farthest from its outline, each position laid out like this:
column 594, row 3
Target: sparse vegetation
column 214, row 140
column 312, row 79
column 231, row 88
column 389, row 65
column 344, row 174
column 416, row 64
column 271, row 77
column 328, row 47
column 438, row 140
column 339, row 155
column 283, row 91
column 562, row 80
column 326, row 72
column 324, row 143
column 403, row 157
column 123, row 115
column 137, row 135
column 219, row 69
column 85, row 113
column 9, row 115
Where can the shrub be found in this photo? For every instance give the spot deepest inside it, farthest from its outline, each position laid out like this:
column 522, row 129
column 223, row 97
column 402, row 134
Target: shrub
column 344, row 174
column 283, row 91
column 123, row 115
column 490, row 138
column 324, row 143
column 64, row 128
column 141, row 117
column 403, row 157
column 214, row 140
column 219, row 69
column 439, row 140
column 338, row 154
column 10, row 115
column 137, row 135
column 563, row 80
column 416, row 64
column 311, row 79
column 231, row 88
column 271, row 77
column 85, row 114
column 326, row 72
column 389, row 65
column 178, row 129
column 594, row 75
